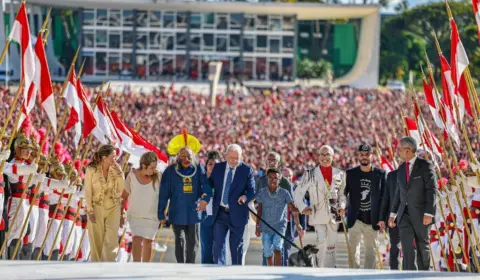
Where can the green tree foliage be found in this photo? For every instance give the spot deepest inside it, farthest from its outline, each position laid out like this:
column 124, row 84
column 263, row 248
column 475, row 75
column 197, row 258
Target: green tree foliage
column 405, row 36
column 309, row 69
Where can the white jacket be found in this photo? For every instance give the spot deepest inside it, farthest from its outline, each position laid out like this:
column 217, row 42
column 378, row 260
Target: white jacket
column 313, row 182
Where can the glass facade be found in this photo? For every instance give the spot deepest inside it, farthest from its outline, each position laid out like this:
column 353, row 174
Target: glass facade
column 153, row 44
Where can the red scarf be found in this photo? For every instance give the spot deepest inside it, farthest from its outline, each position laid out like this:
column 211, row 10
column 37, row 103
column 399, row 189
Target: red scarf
column 327, row 173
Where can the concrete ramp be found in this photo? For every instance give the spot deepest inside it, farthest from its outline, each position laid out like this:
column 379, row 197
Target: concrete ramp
column 71, row 270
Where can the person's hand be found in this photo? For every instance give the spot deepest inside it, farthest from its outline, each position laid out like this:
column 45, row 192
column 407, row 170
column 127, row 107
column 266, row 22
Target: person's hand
column 391, row 222
column 341, row 212
column 242, row 200
column 257, row 231
column 381, row 224
column 427, row 220
column 307, row 211
column 300, row 231
column 202, row 205
column 294, row 210
column 91, row 218
column 163, row 221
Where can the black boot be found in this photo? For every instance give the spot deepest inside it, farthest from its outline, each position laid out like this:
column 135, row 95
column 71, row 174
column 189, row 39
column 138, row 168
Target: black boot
column 54, row 255
column 66, row 257
column 11, row 249
column 26, row 252
column 35, row 253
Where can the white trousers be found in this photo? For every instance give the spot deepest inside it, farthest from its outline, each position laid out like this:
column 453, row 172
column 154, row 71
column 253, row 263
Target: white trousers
column 16, row 226
column 326, row 239
column 75, row 239
column 49, row 243
column 42, row 228
column 33, row 222
column 68, row 226
column 85, row 247
column 370, row 240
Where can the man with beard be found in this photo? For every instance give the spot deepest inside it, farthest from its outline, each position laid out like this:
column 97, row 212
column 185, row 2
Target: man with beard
column 364, row 189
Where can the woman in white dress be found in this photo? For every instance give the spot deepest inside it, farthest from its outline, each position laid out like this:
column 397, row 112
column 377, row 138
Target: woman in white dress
column 141, row 189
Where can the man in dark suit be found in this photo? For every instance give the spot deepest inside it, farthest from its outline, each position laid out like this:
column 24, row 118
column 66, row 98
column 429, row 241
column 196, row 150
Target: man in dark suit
column 414, row 205
column 364, row 188
column 387, row 201
column 234, row 187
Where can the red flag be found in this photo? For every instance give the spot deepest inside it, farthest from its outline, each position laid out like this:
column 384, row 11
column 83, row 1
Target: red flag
column 459, row 62
column 433, row 102
column 43, row 82
column 86, row 113
column 387, row 165
column 20, row 33
column 105, row 129
column 74, row 103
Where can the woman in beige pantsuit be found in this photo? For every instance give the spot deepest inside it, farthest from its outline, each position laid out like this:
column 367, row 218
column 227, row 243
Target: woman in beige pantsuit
column 104, row 183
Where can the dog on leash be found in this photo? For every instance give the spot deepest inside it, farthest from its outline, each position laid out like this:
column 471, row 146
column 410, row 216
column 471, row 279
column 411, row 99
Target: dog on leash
column 304, row 257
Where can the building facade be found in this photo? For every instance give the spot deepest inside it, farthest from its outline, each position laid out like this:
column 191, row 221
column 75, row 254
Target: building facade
column 153, row 44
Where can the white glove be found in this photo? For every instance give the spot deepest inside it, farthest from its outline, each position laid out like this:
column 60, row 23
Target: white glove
column 4, row 155
column 38, row 178
column 31, row 169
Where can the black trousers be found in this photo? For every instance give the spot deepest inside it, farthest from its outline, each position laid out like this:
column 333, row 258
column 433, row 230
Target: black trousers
column 394, row 234
column 412, row 229
column 186, row 242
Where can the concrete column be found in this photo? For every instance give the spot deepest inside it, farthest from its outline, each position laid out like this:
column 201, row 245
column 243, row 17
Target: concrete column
column 188, row 45
column 134, row 44
column 242, row 34
column 295, row 50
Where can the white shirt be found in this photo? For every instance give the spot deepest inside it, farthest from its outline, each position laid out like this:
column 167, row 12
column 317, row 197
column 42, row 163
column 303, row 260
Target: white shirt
column 227, row 169
column 410, row 168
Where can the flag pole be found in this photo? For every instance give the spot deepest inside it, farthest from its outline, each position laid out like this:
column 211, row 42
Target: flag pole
column 452, row 178
column 70, row 196
column 71, row 229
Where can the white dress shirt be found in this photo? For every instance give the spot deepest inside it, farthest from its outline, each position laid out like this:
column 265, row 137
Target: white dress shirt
column 227, row 169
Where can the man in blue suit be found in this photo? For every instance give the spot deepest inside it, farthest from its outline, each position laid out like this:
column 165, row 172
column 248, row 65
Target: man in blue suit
column 234, row 187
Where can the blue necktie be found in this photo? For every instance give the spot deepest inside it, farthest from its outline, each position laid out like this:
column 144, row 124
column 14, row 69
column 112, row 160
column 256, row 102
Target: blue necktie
column 228, row 183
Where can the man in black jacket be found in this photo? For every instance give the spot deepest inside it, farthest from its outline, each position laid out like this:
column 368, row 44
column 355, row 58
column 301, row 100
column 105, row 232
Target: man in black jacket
column 387, row 201
column 414, row 206
column 364, row 189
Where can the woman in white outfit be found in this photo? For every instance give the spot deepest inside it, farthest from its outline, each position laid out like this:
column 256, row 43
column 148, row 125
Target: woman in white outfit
column 142, row 188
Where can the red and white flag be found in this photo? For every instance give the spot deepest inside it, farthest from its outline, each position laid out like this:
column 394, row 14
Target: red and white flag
column 413, row 130
column 459, row 62
column 87, row 116
column 20, row 33
column 75, row 104
column 43, row 83
column 141, row 145
column 433, row 102
column 448, row 88
column 476, row 11
column 105, row 131
column 387, row 165
column 127, row 138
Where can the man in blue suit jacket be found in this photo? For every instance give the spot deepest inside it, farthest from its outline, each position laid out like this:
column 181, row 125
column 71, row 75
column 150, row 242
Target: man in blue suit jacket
column 234, row 187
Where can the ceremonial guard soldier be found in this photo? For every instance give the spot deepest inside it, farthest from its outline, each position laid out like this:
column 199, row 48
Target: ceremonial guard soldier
column 18, row 198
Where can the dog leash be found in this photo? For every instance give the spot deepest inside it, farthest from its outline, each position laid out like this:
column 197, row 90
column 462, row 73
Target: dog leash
column 276, row 231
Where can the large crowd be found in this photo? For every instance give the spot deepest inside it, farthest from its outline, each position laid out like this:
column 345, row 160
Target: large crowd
column 290, row 121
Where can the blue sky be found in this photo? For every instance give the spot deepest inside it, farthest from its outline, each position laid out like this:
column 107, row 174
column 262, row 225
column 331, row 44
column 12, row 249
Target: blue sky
column 412, row 3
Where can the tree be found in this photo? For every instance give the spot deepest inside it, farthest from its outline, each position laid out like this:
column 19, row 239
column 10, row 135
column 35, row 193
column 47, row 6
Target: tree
column 405, row 36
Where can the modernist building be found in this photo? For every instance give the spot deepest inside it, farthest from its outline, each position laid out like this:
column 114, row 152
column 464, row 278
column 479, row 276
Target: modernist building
column 167, row 39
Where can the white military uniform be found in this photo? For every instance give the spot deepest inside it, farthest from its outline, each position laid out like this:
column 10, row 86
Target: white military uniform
column 322, row 218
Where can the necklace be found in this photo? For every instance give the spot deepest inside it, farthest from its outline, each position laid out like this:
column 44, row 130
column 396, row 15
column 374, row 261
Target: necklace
column 186, row 176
